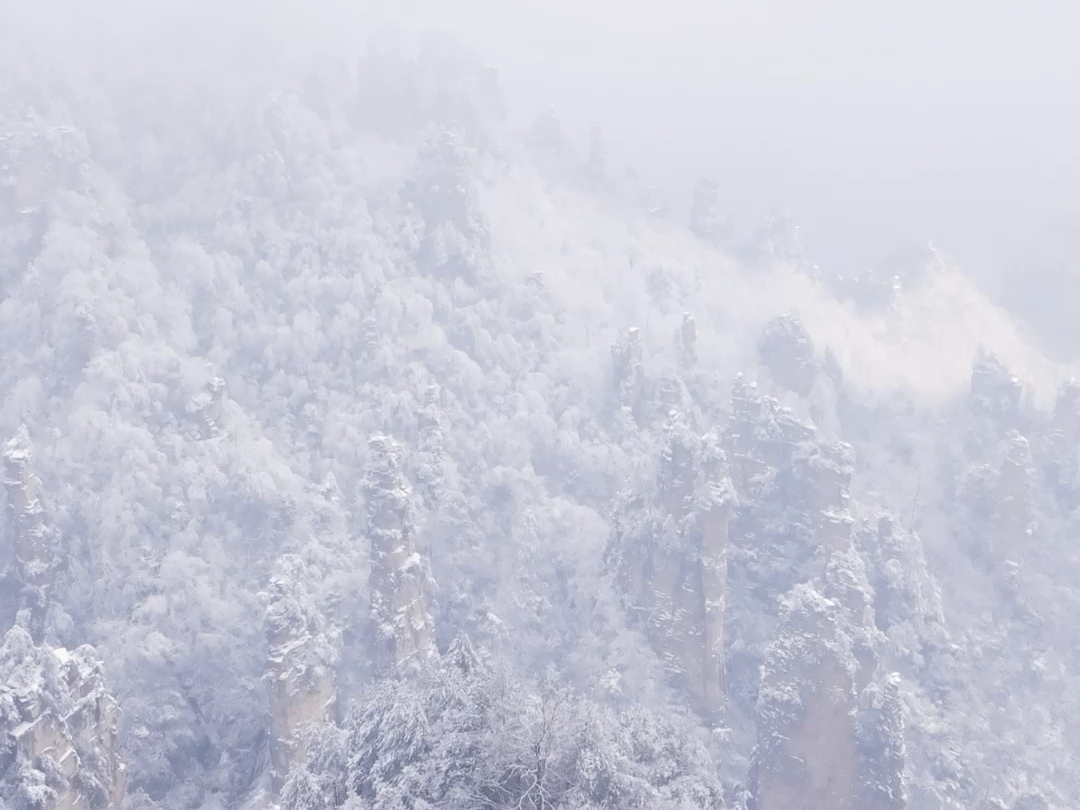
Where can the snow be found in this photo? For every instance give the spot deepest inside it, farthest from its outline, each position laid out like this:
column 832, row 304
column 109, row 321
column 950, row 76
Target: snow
column 368, row 287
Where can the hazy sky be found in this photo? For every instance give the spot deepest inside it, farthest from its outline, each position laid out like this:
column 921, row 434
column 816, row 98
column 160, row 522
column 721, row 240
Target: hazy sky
column 873, row 124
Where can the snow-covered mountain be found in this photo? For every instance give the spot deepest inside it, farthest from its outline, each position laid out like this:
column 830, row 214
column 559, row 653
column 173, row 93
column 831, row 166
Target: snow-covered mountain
column 370, row 453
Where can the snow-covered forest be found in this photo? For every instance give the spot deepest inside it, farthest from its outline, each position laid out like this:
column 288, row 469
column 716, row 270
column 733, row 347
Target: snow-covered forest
column 363, row 450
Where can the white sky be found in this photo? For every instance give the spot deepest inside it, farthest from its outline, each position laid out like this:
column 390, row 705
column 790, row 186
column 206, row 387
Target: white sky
column 873, row 124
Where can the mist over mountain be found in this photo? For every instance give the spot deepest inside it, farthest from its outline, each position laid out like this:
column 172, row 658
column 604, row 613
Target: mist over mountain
column 877, row 130
column 367, row 447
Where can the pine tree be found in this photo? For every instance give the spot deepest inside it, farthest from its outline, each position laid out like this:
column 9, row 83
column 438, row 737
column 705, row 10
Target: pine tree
column 303, row 792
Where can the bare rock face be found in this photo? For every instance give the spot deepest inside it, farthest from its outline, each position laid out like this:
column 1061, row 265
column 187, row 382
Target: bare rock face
column 300, row 668
column 740, row 436
column 786, row 350
column 670, row 546
column 793, row 495
column 780, row 434
column 25, row 517
column 669, row 395
column 34, row 560
column 400, row 576
column 997, row 496
column 879, row 712
column 827, row 469
column 846, row 582
column 906, row 600
column 807, row 755
column 881, row 746
column 830, row 729
column 762, row 437
column 58, row 722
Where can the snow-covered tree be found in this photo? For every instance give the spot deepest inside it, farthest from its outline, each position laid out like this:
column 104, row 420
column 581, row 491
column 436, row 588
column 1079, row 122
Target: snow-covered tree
column 225, row 275
column 400, row 577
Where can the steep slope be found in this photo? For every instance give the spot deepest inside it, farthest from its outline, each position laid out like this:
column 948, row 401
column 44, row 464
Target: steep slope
column 320, row 371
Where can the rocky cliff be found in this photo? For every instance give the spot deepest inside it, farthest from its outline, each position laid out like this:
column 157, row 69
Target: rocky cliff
column 60, row 749
column 670, row 546
column 400, row 580
column 33, row 562
column 300, row 669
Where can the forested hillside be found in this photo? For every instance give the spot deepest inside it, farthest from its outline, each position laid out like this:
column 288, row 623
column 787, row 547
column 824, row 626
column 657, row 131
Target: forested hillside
column 363, row 450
